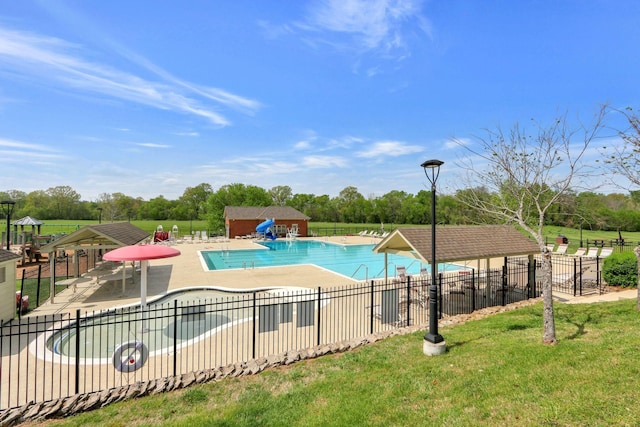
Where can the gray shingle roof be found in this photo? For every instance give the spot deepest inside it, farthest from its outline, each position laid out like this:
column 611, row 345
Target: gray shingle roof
column 459, row 243
column 6, row 255
column 112, row 235
column 263, row 212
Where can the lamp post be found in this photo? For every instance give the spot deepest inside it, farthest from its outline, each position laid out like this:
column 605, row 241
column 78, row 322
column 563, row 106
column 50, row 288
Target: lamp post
column 99, row 215
column 433, row 342
column 7, row 209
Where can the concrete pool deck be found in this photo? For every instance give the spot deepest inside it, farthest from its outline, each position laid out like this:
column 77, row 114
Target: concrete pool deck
column 186, row 270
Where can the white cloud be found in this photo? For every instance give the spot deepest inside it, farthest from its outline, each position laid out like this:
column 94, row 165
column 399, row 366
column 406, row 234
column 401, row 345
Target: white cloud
column 373, row 24
column 314, row 162
column 152, row 145
column 389, row 148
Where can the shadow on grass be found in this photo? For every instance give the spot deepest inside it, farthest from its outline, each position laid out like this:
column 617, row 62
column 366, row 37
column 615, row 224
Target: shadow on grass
column 580, row 325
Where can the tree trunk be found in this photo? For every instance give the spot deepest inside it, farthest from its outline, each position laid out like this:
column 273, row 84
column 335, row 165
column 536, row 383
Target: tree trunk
column 549, row 325
column 637, row 252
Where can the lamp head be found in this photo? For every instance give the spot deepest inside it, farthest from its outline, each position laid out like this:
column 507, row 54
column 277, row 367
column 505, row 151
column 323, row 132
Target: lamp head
column 434, row 166
column 7, row 206
column 431, row 164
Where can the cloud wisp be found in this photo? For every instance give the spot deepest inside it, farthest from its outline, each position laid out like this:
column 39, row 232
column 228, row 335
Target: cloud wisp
column 373, row 25
column 30, row 55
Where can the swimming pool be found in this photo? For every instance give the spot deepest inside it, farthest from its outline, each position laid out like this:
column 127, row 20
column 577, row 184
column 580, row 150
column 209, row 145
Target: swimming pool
column 354, row 261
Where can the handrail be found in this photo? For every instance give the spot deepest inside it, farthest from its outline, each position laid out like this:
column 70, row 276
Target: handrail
column 366, row 271
column 387, row 267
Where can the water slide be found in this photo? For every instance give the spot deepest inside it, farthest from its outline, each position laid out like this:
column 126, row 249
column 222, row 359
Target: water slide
column 263, row 227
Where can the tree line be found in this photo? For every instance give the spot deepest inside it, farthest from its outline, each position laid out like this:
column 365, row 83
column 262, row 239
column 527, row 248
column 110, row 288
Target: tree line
column 586, row 210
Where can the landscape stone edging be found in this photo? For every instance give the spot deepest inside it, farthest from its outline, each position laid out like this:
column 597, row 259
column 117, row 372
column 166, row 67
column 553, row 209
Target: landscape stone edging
column 67, row 406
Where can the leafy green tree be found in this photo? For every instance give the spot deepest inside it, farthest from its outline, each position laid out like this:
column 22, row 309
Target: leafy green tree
column 350, row 206
column 63, row 202
column 280, row 195
column 303, row 203
column 157, row 209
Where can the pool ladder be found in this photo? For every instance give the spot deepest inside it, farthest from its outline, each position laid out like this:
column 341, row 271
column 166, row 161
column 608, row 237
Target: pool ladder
column 366, row 271
column 244, row 265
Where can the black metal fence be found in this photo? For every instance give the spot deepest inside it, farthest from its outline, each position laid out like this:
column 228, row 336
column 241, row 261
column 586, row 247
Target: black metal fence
column 49, row 357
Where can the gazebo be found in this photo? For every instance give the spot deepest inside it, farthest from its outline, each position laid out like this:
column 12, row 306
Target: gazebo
column 93, row 238
column 28, row 241
column 458, row 243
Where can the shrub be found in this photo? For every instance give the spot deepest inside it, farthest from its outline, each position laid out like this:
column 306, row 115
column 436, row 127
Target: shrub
column 621, row 270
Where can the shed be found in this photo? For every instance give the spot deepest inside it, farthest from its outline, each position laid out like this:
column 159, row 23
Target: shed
column 93, row 238
column 8, row 262
column 458, row 243
column 243, row 220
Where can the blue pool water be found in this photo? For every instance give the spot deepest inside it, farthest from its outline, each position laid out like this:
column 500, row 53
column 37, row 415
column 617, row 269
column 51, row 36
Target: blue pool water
column 356, row 261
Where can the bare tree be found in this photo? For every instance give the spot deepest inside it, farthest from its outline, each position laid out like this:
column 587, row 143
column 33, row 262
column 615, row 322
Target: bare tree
column 624, row 160
column 526, row 173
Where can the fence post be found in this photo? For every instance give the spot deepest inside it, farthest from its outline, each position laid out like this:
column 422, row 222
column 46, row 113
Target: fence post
column 77, row 380
column 408, row 300
column 21, row 296
column 504, row 284
column 19, row 305
column 175, row 337
column 575, row 274
column 473, row 290
column 371, row 317
column 439, row 293
column 38, row 288
column 255, row 327
column 319, row 314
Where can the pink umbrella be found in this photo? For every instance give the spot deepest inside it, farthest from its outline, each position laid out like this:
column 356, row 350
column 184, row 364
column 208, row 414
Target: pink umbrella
column 142, row 253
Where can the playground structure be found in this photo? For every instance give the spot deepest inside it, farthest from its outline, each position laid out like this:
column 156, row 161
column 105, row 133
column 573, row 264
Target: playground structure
column 27, row 243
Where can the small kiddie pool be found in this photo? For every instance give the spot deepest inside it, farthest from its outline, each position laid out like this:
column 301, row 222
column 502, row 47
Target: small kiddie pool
column 127, row 336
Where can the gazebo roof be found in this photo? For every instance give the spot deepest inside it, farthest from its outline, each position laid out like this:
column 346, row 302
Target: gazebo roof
column 105, row 236
column 458, row 243
column 27, row 220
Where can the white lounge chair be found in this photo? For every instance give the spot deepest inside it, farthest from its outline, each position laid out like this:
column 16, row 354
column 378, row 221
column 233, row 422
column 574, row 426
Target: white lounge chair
column 580, row 252
column 562, row 249
column 605, row 252
column 592, row 252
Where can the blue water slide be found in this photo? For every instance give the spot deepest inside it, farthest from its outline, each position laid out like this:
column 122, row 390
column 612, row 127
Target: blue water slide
column 262, row 227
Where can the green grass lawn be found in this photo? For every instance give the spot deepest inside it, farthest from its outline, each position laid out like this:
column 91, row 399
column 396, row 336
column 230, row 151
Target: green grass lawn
column 495, row 372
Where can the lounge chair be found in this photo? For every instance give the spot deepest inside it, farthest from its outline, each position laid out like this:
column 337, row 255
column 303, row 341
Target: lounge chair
column 401, row 274
column 580, row 252
column 550, row 247
column 605, row 252
column 363, row 233
column 593, row 252
column 562, row 249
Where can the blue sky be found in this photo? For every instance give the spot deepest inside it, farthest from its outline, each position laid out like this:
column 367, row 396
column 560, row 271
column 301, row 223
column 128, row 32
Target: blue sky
column 147, row 98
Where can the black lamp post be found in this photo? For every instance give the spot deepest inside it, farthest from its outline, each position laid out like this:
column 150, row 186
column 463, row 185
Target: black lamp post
column 7, row 209
column 99, row 215
column 433, row 342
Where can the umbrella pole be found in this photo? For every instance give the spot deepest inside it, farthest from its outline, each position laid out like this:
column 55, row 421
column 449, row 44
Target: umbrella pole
column 143, row 291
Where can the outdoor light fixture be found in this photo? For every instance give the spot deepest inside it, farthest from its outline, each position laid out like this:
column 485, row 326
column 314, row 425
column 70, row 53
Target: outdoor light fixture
column 7, row 209
column 433, row 342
